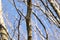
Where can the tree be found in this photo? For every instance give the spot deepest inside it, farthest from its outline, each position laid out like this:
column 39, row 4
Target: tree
column 3, row 31
column 33, row 16
column 28, row 19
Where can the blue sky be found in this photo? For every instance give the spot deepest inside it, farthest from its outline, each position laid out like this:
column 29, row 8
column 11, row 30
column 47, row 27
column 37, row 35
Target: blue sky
column 10, row 12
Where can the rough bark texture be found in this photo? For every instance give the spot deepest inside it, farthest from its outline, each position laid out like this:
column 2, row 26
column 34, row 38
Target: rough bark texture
column 28, row 19
column 55, row 6
column 3, row 32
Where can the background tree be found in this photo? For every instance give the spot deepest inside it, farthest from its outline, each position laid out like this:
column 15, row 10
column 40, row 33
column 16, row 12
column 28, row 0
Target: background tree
column 32, row 19
column 3, row 31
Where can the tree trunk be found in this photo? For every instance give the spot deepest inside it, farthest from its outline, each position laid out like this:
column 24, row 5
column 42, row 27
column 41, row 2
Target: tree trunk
column 28, row 19
column 55, row 6
column 3, row 31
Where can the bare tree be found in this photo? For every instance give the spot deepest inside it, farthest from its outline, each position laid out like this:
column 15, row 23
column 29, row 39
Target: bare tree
column 3, row 31
column 47, row 19
column 28, row 19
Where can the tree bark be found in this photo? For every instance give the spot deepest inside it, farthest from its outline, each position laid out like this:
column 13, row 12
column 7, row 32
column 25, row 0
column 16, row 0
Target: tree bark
column 3, row 31
column 55, row 6
column 28, row 19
